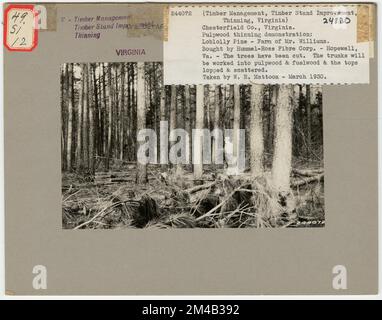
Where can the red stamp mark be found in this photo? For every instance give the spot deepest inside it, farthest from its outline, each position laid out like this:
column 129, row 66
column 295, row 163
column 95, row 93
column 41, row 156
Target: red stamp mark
column 20, row 28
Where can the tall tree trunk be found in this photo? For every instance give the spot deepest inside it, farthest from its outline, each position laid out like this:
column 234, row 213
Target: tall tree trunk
column 163, row 118
column 105, row 110
column 69, row 72
column 208, row 104
column 296, row 141
column 236, row 119
column 199, row 124
column 141, row 117
column 256, row 130
column 122, row 113
column 79, row 163
column 215, row 141
column 85, row 120
column 188, row 122
column 231, row 103
column 116, row 116
column 282, row 158
column 180, row 124
column 172, row 114
column 101, row 113
column 109, row 94
column 271, row 124
column 91, row 120
column 134, row 112
column 308, row 123
column 64, row 92
column 129, row 120
column 97, row 108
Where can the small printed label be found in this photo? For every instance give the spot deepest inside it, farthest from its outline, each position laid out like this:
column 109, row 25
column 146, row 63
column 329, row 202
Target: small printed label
column 20, row 32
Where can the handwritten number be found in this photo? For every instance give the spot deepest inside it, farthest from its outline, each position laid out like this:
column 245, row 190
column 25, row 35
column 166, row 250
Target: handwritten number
column 17, row 27
column 13, row 29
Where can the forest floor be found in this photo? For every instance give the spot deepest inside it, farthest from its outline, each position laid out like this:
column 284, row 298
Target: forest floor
column 112, row 200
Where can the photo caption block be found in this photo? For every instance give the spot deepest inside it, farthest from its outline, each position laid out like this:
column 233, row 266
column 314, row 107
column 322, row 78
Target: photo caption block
column 264, row 44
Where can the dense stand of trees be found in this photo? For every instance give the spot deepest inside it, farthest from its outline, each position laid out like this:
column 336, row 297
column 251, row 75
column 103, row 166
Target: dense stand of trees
column 104, row 105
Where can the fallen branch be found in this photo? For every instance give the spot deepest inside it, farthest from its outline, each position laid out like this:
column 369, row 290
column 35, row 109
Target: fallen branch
column 307, row 172
column 200, row 187
column 301, row 182
column 219, row 205
column 97, row 215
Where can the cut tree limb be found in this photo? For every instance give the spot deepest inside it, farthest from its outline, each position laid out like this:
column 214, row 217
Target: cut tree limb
column 200, row 187
column 308, row 172
column 301, row 182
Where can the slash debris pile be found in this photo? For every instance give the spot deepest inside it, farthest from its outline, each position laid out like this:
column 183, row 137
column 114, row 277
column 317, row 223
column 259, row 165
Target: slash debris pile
column 168, row 201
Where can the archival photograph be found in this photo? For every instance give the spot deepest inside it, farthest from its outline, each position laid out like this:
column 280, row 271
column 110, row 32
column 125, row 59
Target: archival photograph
column 139, row 154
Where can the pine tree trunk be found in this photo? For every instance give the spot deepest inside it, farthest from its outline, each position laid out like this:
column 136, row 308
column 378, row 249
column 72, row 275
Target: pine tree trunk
column 179, row 124
column 207, row 103
column 215, row 141
column 109, row 94
column 236, row 119
column 308, row 123
column 172, row 115
column 97, row 108
column 199, row 124
column 91, row 119
column 85, row 120
column 271, row 125
column 79, row 163
column 128, row 112
column 70, row 117
column 256, row 130
column 134, row 114
column 64, row 139
column 116, row 117
column 282, row 158
column 188, row 127
column 122, row 114
column 163, row 118
column 141, row 117
column 105, row 115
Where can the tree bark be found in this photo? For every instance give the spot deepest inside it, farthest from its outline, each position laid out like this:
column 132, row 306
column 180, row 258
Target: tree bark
column 134, row 113
column 91, row 120
column 180, row 123
column 116, row 114
column 271, row 124
column 109, row 94
column 97, row 114
column 172, row 114
column 308, row 123
column 236, row 119
column 215, row 141
column 256, row 130
column 141, row 118
column 187, row 107
column 64, row 92
column 85, row 120
column 122, row 114
column 105, row 113
column 282, row 158
column 199, row 123
column 79, row 163
column 163, row 118
column 69, row 72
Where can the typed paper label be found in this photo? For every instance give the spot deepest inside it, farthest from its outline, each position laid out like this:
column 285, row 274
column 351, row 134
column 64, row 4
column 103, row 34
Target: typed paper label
column 264, row 44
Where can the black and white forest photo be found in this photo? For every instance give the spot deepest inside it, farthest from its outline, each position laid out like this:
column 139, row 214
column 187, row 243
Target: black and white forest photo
column 139, row 154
